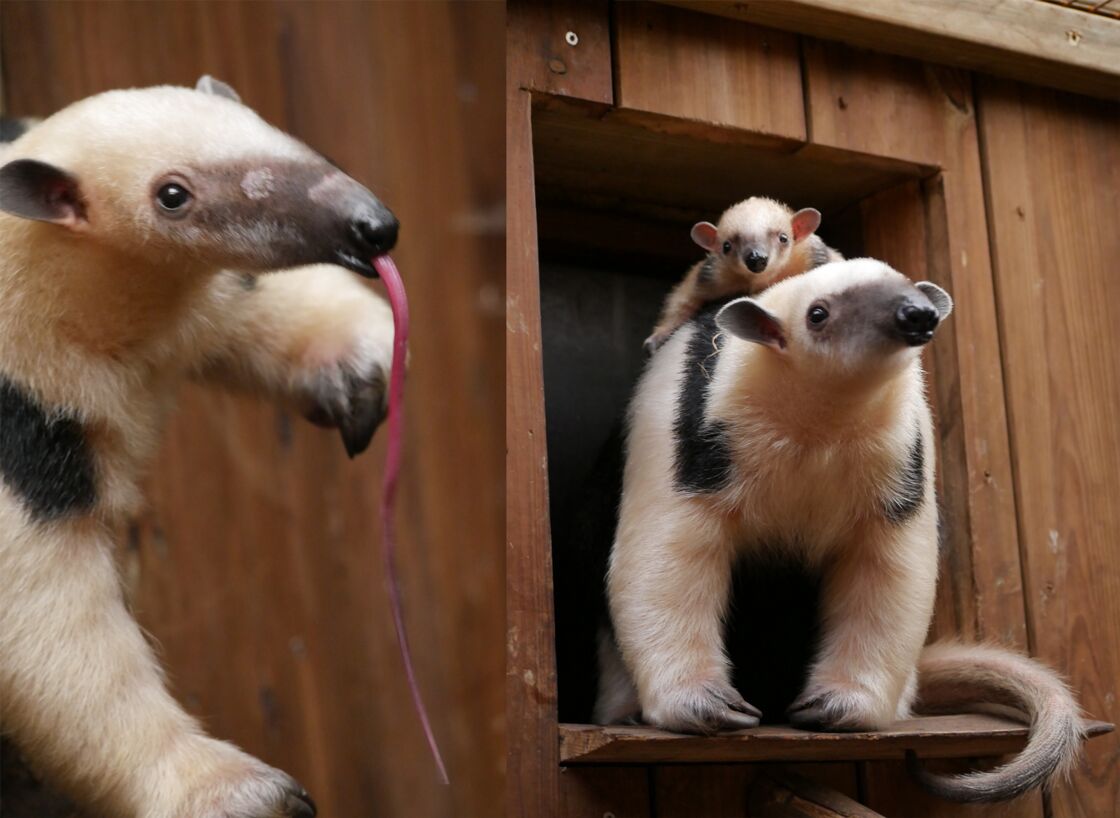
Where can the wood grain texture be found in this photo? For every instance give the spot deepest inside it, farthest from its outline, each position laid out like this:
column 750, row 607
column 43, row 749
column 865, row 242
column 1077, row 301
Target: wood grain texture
column 594, row 792
column 665, row 168
column 786, row 794
column 1053, row 170
column 957, row 736
column 695, row 66
column 733, row 791
column 546, row 61
column 1024, row 39
column 257, row 568
column 533, row 784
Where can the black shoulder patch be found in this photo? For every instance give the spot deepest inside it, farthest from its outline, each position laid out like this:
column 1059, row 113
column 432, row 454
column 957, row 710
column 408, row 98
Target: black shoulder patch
column 818, row 252
column 44, row 459
column 909, row 486
column 703, row 460
column 12, row 129
column 707, row 272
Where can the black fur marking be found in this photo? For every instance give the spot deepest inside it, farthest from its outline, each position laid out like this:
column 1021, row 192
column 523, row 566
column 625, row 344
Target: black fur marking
column 707, row 272
column 910, row 489
column 11, row 128
column 818, row 253
column 703, row 461
column 44, row 458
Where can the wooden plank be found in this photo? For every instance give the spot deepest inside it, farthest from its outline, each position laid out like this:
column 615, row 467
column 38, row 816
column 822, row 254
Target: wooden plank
column 786, row 794
column 257, row 567
column 729, row 791
column 1039, row 43
column 532, row 788
column 1053, row 173
column 957, row 736
column 709, row 790
column 880, row 104
column 538, row 40
column 646, row 164
column 621, row 792
column 695, row 66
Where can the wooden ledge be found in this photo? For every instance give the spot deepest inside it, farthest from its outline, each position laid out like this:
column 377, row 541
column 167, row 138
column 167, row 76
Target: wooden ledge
column 964, row 736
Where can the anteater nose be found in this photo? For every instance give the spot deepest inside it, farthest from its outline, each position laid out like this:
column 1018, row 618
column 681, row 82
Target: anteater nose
column 756, row 261
column 916, row 319
column 375, row 234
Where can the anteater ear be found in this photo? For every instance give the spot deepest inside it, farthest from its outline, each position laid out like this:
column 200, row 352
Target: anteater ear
column 208, row 85
column 35, row 190
column 805, row 222
column 938, row 297
column 706, row 235
column 747, row 319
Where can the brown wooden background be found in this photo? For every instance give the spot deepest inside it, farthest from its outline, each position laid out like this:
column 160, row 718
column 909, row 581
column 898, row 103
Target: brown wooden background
column 258, row 567
column 1010, row 204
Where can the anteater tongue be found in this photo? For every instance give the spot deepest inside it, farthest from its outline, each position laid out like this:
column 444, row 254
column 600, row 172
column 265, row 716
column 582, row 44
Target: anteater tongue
column 399, row 303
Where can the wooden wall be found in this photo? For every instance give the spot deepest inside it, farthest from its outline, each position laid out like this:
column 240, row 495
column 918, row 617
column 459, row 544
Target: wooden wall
column 1052, row 172
column 257, row 569
column 1010, row 204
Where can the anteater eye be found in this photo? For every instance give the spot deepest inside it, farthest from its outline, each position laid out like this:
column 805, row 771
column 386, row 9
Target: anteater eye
column 783, row 238
column 817, row 314
column 727, row 247
column 173, row 197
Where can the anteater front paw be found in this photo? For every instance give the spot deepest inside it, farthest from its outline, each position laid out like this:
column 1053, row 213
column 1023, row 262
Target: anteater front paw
column 706, row 708
column 836, row 708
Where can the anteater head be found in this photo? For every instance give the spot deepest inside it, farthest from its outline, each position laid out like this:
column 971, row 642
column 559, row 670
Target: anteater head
column 180, row 177
column 856, row 318
column 756, row 237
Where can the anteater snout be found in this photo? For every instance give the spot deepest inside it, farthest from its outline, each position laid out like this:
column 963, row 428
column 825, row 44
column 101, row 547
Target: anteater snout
column 916, row 322
column 374, row 234
column 756, row 261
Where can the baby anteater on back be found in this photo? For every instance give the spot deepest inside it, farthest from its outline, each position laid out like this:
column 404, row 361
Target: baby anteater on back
column 758, row 242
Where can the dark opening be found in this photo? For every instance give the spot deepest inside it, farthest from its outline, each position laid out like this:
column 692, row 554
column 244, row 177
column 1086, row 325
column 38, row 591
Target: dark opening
column 615, row 203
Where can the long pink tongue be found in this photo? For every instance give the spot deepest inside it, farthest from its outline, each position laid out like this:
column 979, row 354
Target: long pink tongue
column 399, row 302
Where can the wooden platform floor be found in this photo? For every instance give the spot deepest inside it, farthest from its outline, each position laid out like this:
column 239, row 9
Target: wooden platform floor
column 959, row 736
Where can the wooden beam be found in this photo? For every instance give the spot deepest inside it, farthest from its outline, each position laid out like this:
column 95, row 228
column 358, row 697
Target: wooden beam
column 785, row 794
column 963, row 736
column 1040, row 43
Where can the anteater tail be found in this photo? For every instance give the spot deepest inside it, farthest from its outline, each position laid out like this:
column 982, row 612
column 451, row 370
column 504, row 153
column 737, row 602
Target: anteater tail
column 955, row 676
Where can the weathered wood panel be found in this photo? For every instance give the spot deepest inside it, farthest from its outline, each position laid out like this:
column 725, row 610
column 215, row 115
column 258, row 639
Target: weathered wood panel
column 953, row 736
column 593, row 792
column 1024, row 39
column 561, row 48
column 785, row 794
column 738, row 791
column 695, row 66
column 1053, row 170
column 258, row 567
column 533, row 785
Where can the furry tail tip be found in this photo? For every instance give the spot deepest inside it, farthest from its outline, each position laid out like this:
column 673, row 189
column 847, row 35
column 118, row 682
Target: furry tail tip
column 955, row 676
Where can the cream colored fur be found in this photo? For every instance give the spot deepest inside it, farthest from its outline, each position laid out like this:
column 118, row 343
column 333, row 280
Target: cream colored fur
column 818, row 435
column 760, row 221
column 107, row 322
